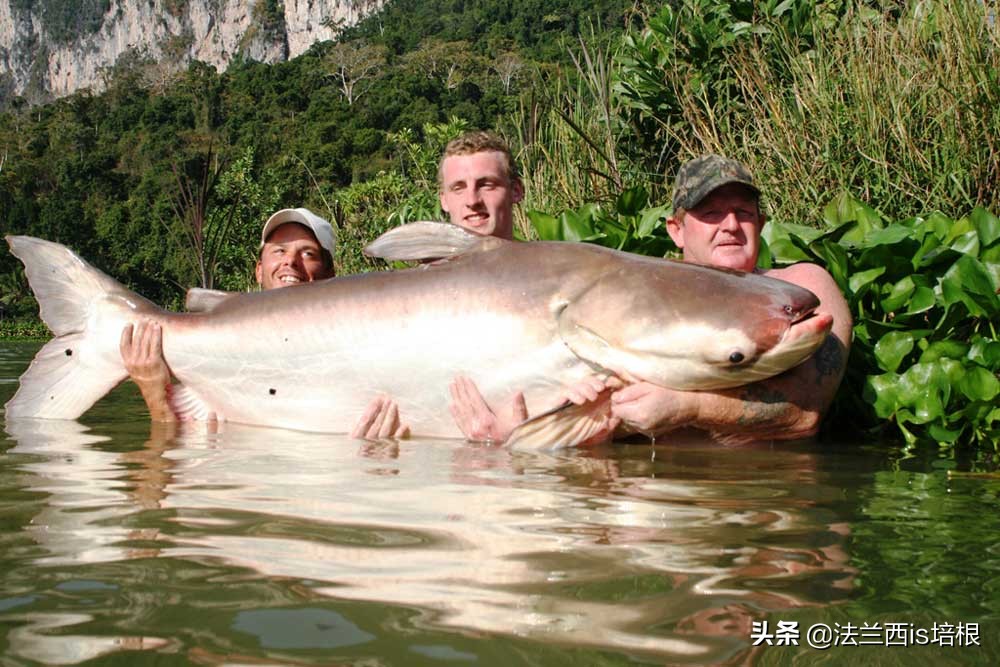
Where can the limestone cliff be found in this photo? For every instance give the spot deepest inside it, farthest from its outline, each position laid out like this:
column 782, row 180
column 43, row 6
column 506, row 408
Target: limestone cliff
column 50, row 48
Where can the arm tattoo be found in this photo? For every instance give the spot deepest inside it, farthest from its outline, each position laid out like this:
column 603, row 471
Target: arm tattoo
column 761, row 405
column 829, row 359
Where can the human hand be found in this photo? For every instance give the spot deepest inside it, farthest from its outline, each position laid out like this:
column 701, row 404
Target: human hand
column 380, row 421
column 589, row 389
column 141, row 347
column 651, row 409
column 476, row 419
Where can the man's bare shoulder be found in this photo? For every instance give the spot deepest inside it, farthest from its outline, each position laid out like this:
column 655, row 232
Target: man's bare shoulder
column 804, row 274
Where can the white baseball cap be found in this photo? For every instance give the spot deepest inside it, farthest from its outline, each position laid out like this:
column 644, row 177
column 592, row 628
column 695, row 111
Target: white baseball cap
column 303, row 216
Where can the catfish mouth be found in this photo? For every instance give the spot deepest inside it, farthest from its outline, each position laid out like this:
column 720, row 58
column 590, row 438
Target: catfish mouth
column 803, row 316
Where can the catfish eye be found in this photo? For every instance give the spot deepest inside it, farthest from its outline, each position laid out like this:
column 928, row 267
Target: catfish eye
column 736, row 357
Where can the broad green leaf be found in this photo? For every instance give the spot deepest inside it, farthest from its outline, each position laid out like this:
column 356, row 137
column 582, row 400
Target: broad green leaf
column 923, row 385
column 892, row 348
column 806, row 234
column 785, row 251
column 979, row 384
column 968, row 281
column 632, row 201
column 986, row 352
column 881, row 393
column 953, row 370
column 888, row 235
column 944, row 348
column 650, row 220
column 941, row 225
column 546, row 226
column 987, row 226
column 899, row 295
column 944, row 435
column 575, row 227
column 938, row 255
column 967, row 243
column 922, row 300
column 863, row 279
column 835, row 258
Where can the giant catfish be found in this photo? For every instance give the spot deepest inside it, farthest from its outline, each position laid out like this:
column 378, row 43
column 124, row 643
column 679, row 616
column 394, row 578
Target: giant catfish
column 536, row 317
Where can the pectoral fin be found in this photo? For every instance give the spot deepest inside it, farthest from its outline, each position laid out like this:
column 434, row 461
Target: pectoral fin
column 568, row 425
column 189, row 406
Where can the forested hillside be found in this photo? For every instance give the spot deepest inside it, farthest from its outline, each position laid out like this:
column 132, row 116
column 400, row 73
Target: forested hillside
column 120, row 176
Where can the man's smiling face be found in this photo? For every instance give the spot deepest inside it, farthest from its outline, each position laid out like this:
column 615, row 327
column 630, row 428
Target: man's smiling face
column 291, row 256
column 477, row 193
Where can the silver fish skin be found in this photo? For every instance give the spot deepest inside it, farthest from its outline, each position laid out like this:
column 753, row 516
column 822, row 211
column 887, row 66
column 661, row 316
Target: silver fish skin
column 531, row 317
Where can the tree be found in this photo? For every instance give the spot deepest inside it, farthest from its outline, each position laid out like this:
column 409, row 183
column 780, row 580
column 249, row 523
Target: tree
column 451, row 63
column 507, row 67
column 355, row 66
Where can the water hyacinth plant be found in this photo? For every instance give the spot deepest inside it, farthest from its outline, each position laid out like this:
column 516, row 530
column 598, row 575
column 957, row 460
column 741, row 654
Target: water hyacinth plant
column 924, row 296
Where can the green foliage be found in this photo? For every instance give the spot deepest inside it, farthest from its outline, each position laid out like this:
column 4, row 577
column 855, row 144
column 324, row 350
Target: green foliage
column 924, row 296
column 628, row 225
column 897, row 103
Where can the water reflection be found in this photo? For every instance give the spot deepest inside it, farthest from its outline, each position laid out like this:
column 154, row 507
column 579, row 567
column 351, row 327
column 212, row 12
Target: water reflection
column 667, row 556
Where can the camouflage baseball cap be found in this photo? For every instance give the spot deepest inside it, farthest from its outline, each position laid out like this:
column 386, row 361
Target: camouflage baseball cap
column 698, row 177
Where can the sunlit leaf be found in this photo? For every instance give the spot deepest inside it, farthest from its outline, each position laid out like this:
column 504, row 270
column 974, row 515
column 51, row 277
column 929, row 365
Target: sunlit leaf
column 944, row 348
column 546, row 226
column 967, row 243
column 889, row 235
column 986, row 353
column 880, row 392
column 987, row 225
column 944, row 435
column 979, row 384
column 652, row 219
column 859, row 281
column 899, row 295
column 923, row 299
column 892, row 348
column 574, row 226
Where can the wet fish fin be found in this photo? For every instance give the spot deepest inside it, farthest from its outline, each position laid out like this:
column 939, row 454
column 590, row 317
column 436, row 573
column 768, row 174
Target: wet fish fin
column 199, row 300
column 425, row 240
column 66, row 377
column 77, row 367
column 568, row 425
column 189, row 406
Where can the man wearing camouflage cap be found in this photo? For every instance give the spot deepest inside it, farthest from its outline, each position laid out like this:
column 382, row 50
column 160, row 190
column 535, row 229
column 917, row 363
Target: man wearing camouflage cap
column 717, row 221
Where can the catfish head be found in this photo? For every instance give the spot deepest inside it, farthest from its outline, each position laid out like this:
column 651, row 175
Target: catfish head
column 687, row 326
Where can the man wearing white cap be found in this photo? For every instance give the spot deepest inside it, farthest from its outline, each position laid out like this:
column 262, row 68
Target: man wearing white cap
column 291, row 254
column 296, row 247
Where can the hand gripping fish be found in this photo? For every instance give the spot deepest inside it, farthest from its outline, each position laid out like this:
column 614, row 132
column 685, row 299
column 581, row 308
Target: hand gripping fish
column 535, row 317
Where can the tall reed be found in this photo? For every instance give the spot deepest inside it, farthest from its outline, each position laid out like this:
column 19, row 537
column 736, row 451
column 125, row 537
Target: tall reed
column 903, row 112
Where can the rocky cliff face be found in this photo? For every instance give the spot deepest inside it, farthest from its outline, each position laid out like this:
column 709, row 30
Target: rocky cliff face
column 51, row 48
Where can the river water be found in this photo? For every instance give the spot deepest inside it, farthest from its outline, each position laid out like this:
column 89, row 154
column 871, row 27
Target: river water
column 122, row 544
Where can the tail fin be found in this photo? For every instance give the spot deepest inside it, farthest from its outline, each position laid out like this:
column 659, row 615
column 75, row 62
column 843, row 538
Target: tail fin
column 86, row 311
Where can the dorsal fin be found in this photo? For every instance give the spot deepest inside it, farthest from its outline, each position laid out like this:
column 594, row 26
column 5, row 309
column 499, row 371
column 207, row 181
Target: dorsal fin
column 200, row 300
column 424, row 240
